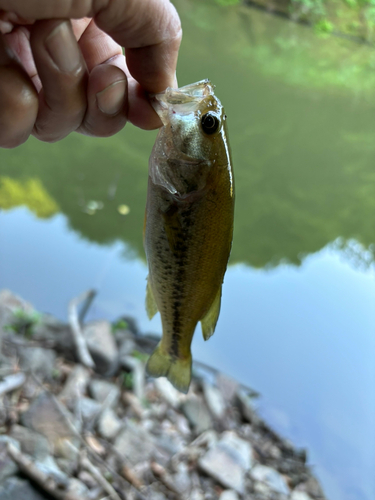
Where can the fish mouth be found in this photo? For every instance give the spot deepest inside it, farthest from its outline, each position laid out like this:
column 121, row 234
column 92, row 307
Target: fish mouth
column 186, row 97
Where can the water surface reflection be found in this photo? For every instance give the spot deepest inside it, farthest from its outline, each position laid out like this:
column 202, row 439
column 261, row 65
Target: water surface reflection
column 297, row 319
column 302, row 336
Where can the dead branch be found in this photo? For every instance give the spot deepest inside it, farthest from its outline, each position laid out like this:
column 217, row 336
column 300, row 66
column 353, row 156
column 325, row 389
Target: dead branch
column 163, row 476
column 95, row 472
column 83, row 353
column 131, row 477
column 12, row 382
column 46, row 482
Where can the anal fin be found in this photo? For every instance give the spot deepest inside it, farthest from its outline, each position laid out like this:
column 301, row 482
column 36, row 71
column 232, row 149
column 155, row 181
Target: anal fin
column 151, row 307
column 208, row 322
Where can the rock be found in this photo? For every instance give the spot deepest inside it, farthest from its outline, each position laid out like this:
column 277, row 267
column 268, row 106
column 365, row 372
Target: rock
column 88, row 408
column 228, row 460
column 181, row 479
column 127, row 343
column 104, row 391
column 77, row 488
column 171, row 442
column 10, row 304
column 31, row 442
column 67, row 466
column 134, row 443
column 37, row 360
column 166, row 390
column 131, row 324
column 47, row 418
column 49, row 328
column 311, row 487
column 138, row 370
column 273, row 479
column 228, row 495
column 262, row 490
column 19, row 489
column 196, row 494
column 155, row 494
column 109, row 424
column 102, row 347
column 50, row 467
column 75, row 386
column 214, row 400
column 227, row 386
column 246, row 406
column 197, row 413
column 7, row 466
column 67, row 449
column 207, row 439
column 86, row 478
column 299, row 495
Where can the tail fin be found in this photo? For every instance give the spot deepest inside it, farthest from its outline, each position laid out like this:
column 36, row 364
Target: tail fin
column 177, row 370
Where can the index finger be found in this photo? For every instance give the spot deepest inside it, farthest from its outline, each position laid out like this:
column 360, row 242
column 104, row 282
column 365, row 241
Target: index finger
column 150, row 31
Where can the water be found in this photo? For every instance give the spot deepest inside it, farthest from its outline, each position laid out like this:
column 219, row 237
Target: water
column 297, row 320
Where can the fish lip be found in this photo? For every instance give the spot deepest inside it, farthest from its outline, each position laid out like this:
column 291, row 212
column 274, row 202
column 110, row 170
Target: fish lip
column 192, row 93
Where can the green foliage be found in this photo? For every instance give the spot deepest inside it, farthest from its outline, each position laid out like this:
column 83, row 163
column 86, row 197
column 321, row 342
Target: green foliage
column 323, row 26
column 56, row 374
column 23, row 322
column 140, row 355
column 225, row 3
column 370, row 15
column 314, row 8
column 127, row 380
column 121, row 324
column 29, row 192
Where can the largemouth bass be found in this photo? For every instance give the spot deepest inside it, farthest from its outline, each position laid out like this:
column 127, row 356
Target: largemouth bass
column 188, row 224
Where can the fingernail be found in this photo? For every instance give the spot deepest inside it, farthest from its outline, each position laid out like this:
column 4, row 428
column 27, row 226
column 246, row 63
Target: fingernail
column 63, row 48
column 111, row 100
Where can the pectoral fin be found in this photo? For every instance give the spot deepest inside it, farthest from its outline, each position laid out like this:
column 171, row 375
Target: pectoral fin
column 209, row 321
column 151, row 306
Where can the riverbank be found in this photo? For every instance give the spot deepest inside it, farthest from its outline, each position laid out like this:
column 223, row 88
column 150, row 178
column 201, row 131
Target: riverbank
column 354, row 19
column 104, row 430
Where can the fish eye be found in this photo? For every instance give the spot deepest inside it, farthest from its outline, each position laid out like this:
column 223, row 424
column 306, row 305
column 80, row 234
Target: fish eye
column 209, row 123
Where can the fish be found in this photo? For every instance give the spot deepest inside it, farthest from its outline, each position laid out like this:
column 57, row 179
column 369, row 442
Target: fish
column 188, row 226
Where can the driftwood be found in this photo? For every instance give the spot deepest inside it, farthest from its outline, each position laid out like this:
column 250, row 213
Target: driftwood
column 83, row 353
column 163, row 476
column 46, row 482
column 12, row 382
column 95, row 472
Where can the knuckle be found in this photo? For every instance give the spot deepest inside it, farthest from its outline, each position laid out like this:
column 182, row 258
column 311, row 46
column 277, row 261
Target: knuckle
column 102, row 128
column 44, row 132
column 18, row 108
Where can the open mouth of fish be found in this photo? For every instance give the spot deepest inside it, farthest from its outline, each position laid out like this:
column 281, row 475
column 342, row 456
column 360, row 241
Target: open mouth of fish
column 190, row 94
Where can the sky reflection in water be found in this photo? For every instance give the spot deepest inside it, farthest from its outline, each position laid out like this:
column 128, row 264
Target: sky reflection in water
column 302, row 336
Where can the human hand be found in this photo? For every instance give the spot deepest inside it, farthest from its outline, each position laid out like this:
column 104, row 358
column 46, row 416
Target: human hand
column 59, row 76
